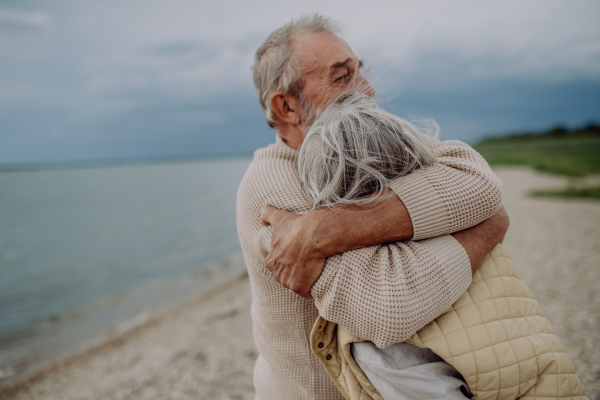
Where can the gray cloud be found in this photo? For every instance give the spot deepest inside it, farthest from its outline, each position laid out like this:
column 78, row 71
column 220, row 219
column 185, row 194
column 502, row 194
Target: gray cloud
column 182, row 48
column 18, row 21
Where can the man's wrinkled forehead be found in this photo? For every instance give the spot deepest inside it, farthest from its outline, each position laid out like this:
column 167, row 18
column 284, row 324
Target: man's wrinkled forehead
column 321, row 52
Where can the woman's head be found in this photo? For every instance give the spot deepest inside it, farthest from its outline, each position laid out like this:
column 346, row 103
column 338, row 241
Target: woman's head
column 355, row 148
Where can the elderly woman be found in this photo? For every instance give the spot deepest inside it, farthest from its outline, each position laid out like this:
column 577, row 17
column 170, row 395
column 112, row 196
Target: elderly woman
column 494, row 342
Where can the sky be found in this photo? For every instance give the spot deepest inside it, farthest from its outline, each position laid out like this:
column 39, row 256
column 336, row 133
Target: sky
column 84, row 81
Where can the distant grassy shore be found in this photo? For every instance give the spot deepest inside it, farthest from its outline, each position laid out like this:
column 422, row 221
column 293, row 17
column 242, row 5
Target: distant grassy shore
column 574, row 153
column 584, row 192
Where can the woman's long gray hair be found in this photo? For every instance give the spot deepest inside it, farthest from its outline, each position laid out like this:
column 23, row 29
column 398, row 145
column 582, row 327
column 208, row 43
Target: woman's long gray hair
column 354, row 149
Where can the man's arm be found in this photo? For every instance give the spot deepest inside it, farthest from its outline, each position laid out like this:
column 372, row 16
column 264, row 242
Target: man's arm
column 455, row 193
column 300, row 274
column 481, row 239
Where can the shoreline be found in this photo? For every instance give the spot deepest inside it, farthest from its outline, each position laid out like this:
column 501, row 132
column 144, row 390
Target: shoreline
column 151, row 301
column 12, row 387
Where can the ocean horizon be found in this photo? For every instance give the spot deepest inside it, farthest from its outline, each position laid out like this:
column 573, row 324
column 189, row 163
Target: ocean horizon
column 117, row 162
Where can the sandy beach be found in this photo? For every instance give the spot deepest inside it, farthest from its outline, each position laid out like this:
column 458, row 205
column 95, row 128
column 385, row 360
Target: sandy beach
column 204, row 350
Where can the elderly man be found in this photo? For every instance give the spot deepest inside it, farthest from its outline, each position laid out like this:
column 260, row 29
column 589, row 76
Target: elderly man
column 355, row 269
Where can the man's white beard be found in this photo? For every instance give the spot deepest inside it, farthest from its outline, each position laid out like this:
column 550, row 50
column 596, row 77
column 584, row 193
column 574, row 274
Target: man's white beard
column 310, row 113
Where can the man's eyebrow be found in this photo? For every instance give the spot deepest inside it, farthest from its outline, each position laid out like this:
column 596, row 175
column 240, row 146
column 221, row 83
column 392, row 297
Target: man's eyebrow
column 340, row 64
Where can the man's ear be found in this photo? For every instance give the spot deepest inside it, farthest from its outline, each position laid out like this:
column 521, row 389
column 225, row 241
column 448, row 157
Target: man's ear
column 286, row 107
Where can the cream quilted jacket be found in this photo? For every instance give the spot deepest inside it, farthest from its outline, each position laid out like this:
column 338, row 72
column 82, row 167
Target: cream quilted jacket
column 495, row 335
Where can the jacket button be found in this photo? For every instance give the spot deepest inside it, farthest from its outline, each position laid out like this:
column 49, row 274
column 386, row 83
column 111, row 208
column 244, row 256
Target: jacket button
column 328, row 357
column 320, row 345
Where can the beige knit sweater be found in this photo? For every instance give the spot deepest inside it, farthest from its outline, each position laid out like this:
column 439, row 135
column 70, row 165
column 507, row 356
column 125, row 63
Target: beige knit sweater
column 381, row 293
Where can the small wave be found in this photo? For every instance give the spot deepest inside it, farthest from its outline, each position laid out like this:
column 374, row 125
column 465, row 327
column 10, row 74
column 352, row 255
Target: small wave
column 133, row 322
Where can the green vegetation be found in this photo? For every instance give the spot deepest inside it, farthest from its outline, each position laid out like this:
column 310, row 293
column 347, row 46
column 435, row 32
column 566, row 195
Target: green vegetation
column 585, row 192
column 574, row 153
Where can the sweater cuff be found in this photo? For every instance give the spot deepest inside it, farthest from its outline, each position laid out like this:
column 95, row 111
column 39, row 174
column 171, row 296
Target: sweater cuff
column 425, row 205
column 455, row 263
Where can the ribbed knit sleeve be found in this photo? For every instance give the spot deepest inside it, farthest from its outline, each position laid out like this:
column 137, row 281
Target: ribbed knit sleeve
column 457, row 192
column 386, row 293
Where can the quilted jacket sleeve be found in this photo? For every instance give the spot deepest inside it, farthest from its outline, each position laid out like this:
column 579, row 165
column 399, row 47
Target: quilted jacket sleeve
column 457, row 192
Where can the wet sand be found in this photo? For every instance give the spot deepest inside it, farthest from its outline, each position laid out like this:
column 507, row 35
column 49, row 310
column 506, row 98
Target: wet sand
column 205, row 350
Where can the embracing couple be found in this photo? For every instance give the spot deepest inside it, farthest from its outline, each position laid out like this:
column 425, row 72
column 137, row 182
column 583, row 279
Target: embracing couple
column 373, row 249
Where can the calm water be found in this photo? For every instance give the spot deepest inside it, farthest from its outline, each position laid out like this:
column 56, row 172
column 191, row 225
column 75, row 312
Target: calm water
column 85, row 252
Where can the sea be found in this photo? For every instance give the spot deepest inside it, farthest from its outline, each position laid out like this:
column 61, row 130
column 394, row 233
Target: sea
column 86, row 253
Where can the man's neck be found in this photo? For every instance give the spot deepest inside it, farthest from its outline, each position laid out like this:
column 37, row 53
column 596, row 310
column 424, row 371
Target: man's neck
column 291, row 135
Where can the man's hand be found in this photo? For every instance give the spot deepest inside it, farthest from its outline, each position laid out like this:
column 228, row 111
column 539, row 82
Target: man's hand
column 479, row 240
column 294, row 259
column 301, row 244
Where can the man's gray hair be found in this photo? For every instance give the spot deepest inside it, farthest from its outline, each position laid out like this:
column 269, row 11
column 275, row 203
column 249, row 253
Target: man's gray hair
column 275, row 66
column 354, row 149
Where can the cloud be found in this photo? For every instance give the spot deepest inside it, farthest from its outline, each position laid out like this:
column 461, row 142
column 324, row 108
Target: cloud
column 123, row 69
column 541, row 40
column 23, row 21
column 179, row 48
column 186, row 68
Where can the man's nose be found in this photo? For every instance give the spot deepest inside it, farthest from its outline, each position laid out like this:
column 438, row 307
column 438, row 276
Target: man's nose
column 365, row 87
column 368, row 89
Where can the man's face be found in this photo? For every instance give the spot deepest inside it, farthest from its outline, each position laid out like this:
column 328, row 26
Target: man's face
column 329, row 67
